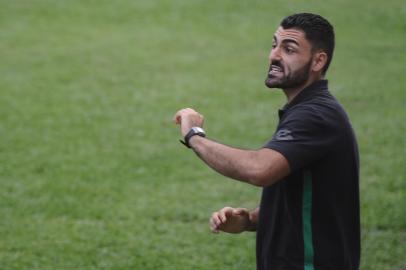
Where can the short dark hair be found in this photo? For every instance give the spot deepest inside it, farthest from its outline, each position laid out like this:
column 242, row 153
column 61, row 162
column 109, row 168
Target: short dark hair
column 318, row 31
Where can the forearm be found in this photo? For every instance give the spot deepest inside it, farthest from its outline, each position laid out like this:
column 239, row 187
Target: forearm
column 231, row 162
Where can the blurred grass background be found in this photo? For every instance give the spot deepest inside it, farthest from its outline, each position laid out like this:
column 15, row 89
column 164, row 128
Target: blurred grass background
column 91, row 173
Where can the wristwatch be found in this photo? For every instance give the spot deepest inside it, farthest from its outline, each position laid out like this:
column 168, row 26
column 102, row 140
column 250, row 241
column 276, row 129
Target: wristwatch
column 192, row 132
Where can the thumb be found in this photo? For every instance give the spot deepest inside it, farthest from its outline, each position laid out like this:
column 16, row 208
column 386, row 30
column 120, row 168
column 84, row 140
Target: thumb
column 177, row 119
column 239, row 211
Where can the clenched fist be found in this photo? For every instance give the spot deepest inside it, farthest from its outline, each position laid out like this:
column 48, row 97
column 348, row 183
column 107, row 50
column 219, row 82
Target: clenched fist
column 188, row 118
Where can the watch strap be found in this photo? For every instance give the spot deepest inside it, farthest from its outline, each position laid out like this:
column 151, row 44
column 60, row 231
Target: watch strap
column 192, row 132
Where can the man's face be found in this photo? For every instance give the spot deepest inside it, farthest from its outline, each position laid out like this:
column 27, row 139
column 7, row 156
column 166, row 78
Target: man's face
column 290, row 59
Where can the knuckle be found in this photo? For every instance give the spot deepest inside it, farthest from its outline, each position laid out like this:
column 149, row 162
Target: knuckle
column 227, row 208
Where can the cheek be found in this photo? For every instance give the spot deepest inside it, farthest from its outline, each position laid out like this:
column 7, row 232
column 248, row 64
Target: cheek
column 290, row 65
column 296, row 63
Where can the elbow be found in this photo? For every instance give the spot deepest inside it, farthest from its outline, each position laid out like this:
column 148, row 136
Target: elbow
column 262, row 179
column 267, row 168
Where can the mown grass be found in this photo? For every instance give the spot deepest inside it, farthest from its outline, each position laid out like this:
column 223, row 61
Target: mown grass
column 91, row 173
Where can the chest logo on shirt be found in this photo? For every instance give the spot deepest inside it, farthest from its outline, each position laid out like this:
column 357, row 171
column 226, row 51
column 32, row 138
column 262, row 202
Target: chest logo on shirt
column 283, row 135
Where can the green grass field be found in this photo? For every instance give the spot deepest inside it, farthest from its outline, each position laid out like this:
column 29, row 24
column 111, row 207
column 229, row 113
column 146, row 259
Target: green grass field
column 92, row 175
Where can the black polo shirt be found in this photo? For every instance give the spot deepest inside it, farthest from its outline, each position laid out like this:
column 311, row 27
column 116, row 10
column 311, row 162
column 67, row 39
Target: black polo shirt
column 310, row 219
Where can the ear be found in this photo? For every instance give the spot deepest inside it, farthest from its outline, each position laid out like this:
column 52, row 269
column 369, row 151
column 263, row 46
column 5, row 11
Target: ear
column 319, row 61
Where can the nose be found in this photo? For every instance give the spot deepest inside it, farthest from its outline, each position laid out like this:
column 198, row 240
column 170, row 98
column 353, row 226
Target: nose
column 274, row 54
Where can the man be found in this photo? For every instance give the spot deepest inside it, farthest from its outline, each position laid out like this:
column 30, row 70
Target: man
column 308, row 217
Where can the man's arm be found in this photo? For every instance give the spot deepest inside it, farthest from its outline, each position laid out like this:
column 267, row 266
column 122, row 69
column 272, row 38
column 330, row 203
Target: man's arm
column 258, row 167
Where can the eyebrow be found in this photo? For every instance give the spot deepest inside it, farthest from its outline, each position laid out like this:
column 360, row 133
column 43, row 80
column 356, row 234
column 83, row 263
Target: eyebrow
column 287, row 40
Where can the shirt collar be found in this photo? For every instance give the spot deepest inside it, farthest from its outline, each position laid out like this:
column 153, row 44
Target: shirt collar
column 310, row 90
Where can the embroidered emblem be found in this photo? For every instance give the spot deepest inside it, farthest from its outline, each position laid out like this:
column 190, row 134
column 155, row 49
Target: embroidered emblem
column 283, row 135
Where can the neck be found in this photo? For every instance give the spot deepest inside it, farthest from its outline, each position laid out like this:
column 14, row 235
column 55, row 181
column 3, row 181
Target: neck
column 291, row 93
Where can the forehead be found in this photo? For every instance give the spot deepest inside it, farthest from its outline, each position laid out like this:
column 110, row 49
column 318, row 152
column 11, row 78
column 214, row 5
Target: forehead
column 291, row 34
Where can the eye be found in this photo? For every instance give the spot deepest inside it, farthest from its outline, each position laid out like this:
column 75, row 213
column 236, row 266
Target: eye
column 273, row 46
column 289, row 50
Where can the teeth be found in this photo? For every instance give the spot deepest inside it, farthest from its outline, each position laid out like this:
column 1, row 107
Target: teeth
column 276, row 68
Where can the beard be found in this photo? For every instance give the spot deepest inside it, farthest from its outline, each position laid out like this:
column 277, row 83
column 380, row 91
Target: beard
column 287, row 81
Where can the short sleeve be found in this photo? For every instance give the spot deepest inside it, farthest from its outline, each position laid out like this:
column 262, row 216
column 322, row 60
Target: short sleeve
column 303, row 136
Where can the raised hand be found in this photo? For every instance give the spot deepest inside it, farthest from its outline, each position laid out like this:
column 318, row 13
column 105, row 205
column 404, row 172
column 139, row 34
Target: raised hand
column 188, row 118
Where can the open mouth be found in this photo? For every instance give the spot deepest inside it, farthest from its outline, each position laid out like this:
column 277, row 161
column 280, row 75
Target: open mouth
column 275, row 70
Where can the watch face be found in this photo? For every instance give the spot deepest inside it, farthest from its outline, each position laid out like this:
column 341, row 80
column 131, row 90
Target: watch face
column 198, row 129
